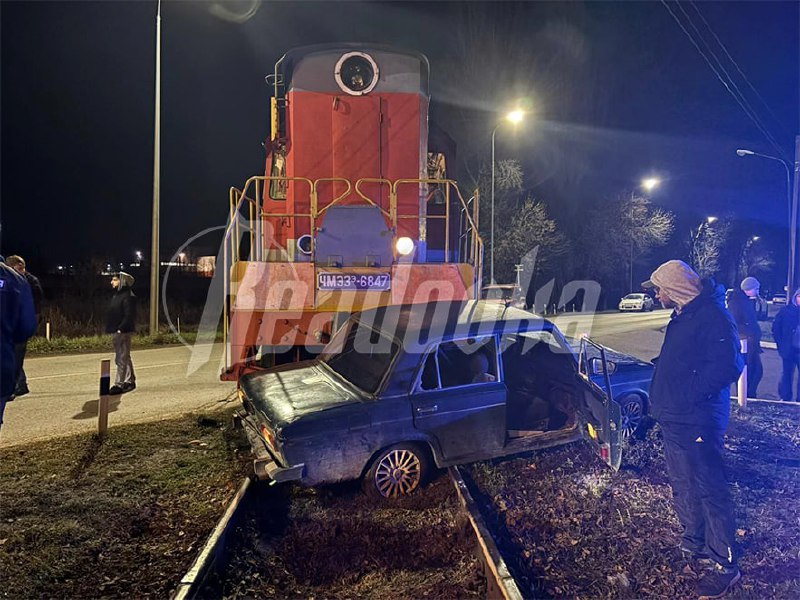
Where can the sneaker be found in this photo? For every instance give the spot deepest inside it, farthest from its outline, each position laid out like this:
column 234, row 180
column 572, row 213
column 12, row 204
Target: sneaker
column 21, row 391
column 115, row 390
column 718, row 582
column 128, row 387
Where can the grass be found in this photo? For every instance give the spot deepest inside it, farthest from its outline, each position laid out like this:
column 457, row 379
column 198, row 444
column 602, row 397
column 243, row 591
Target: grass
column 121, row 517
column 38, row 346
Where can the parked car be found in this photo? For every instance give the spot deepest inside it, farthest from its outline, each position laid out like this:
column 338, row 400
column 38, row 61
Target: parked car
column 509, row 294
column 640, row 302
column 779, row 299
column 436, row 385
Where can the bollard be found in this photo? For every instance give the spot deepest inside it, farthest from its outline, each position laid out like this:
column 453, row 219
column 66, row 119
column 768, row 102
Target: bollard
column 47, row 331
column 102, row 405
column 179, row 325
column 741, row 388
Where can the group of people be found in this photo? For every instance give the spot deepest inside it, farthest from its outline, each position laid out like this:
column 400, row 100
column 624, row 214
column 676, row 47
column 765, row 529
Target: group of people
column 21, row 296
column 785, row 332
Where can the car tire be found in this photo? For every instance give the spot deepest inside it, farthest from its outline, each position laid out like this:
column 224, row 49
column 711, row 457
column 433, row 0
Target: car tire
column 397, row 471
column 633, row 411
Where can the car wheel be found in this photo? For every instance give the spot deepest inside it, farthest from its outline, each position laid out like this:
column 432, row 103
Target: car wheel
column 632, row 411
column 397, row 471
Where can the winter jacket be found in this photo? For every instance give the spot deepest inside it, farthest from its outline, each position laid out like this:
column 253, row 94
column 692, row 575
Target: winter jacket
column 743, row 311
column 783, row 328
column 699, row 360
column 17, row 324
column 37, row 291
column 121, row 314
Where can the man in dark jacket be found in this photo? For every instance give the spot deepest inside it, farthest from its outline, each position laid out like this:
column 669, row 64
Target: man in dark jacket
column 17, row 324
column 690, row 398
column 786, row 331
column 18, row 264
column 742, row 305
column 121, row 321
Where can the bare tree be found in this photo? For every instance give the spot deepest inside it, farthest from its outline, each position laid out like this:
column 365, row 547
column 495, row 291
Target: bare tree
column 620, row 232
column 706, row 244
column 530, row 227
column 754, row 259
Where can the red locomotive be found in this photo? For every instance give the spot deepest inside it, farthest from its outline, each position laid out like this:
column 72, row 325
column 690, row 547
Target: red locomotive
column 355, row 210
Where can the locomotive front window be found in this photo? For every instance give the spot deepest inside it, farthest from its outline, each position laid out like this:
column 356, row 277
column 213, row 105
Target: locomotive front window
column 356, row 73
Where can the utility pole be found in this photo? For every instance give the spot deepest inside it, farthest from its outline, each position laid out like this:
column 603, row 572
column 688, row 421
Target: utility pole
column 794, row 224
column 155, row 255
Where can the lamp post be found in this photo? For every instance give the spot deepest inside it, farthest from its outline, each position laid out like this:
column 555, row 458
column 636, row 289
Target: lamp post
column 154, row 251
column 515, row 116
column 792, row 214
column 648, row 185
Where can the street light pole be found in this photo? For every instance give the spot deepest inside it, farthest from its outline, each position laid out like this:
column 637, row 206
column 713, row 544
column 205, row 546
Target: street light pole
column 491, row 234
column 515, row 116
column 792, row 215
column 154, row 250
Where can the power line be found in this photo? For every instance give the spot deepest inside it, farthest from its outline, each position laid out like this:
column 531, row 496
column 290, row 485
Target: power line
column 742, row 102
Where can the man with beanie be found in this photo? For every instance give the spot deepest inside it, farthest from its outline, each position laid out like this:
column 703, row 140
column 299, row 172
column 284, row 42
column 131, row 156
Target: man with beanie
column 742, row 305
column 121, row 321
column 786, row 331
column 690, row 398
column 17, row 324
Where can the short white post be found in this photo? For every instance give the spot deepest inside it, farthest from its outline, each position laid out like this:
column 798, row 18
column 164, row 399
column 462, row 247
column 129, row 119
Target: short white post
column 102, row 405
column 179, row 325
column 742, row 384
column 47, row 331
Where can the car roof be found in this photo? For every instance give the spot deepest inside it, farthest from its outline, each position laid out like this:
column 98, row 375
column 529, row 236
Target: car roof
column 446, row 320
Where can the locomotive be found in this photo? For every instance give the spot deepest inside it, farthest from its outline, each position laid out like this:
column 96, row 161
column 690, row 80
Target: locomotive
column 355, row 209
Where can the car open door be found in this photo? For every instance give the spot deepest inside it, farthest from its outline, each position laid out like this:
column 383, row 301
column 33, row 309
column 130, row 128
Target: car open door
column 601, row 415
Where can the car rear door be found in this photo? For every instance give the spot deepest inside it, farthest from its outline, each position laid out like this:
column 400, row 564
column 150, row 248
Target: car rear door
column 601, row 415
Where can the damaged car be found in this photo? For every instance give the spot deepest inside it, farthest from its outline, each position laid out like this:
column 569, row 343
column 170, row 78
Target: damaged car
column 403, row 390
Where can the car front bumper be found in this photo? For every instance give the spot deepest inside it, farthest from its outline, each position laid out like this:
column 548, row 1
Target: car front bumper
column 265, row 466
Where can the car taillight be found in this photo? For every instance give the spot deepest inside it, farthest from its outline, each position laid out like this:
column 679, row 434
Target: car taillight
column 268, row 436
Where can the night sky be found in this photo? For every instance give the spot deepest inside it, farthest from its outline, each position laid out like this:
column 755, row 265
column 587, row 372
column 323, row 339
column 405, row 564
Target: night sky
column 620, row 92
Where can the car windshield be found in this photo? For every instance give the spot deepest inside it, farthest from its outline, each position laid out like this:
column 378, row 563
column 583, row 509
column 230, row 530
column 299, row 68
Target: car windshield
column 634, row 296
column 361, row 355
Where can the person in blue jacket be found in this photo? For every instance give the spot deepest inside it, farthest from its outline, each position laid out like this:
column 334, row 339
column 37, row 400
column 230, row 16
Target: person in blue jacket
column 690, row 398
column 17, row 324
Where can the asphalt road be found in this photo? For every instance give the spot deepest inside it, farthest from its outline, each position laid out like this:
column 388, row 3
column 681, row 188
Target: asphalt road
column 176, row 380
column 64, row 391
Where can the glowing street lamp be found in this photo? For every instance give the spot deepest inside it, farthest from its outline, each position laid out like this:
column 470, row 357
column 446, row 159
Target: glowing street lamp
column 515, row 117
column 650, row 183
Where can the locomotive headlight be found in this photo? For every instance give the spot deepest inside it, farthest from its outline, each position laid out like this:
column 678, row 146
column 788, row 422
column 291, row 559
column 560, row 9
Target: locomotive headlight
column 404, row 246
column 356, row 73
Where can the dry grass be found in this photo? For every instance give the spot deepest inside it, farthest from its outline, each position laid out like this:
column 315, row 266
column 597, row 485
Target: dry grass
column 121, row 518
column 572, row 528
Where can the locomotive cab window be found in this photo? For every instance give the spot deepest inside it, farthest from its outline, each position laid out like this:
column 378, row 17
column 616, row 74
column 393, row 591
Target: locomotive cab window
column 278, row 187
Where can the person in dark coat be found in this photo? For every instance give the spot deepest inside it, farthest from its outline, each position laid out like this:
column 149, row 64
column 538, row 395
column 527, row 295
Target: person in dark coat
column 121, row 321
column 786, row 332
column 690, row 398
column 742, row 306
column 18, row 263
column 17, row 324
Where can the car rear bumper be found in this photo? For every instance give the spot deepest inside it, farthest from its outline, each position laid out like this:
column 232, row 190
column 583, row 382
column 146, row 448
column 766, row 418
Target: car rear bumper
column 265, row 466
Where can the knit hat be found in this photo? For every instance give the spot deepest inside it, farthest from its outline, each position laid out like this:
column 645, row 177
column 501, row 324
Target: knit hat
column 678, row 280
column 750, row 283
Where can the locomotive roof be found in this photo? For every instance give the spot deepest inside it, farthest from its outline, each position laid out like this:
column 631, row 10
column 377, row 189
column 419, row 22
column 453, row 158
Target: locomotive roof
column 289, row 62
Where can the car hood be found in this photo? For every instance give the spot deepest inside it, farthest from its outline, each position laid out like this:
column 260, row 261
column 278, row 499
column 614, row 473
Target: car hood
column 286, row 394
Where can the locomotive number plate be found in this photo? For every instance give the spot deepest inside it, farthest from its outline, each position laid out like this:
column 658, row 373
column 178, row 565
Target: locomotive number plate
column 379, row 282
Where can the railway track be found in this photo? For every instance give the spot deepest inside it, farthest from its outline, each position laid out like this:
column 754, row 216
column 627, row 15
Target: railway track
column 209, row 574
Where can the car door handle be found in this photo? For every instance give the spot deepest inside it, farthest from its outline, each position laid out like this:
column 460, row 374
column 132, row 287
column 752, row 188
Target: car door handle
column 428, row 409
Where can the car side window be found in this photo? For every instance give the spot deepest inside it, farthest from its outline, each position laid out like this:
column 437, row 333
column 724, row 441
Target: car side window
column 460, row 362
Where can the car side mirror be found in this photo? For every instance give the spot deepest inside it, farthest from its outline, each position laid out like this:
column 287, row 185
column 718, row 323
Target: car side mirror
column 598, row 367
